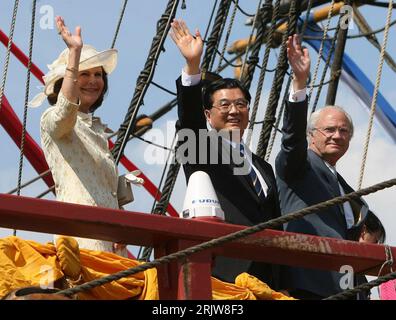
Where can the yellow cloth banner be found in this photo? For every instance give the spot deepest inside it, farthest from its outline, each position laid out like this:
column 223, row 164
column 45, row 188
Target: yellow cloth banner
column 27, row 263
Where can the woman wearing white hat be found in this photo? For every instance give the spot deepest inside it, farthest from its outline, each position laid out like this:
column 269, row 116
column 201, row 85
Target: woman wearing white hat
column 74, row 142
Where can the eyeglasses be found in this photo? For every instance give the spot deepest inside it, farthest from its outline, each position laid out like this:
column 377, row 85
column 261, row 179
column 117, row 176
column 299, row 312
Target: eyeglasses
column 330, row 131
column 224, row 105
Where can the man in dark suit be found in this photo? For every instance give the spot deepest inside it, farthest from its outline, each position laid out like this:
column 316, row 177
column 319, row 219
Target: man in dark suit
column 248, row 198
column 306, row 175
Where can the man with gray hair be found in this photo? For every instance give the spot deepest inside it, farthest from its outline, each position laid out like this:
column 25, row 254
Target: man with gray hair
column 306, row 175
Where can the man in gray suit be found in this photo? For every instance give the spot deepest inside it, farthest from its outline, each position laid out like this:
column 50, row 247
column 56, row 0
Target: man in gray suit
column 306, row 175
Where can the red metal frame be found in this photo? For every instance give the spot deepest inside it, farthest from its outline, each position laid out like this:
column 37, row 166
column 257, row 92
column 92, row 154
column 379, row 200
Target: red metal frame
column 169, row 234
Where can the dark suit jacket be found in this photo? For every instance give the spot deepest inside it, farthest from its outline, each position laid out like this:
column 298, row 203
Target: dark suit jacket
column 304, row 180
column 236, row 194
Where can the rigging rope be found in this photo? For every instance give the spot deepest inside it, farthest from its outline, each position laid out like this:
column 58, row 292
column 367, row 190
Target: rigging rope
column 27, row 89
column 271, row 224
column 214, row 38
column 354, row 36
column 7, row 59
column 375, row 94
column 144, row 79
column 277, row 83
column 264, row 15
column 347, row 294
column 278, row 118
column 283, row 102
column 160, row 206
column 244, row 60
column 210, row 20
column 169, row 185
column 220, row 36
column 45, row 173
column 365, row 28
column 119, row 24
column 260, row 84
column 241, row 10
column 320, row 53
column 230, row 25
column 163, row 88
column 326, row 67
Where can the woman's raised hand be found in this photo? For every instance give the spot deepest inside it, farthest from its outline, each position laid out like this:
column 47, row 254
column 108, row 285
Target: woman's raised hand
column 73, row 41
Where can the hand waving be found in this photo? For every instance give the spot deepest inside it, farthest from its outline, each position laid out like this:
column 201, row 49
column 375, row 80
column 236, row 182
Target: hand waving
column 72, row 40
column 190, row 47
column 299, row 60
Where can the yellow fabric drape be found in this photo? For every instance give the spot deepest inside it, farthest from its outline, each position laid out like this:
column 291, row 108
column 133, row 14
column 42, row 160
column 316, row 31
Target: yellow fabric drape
column 28, row 263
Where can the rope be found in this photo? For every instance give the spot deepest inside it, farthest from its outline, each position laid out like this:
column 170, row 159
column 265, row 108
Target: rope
column 320, row 53
column 364, row 27
column 257, row 14
column 119, row 24
column 348, row 294
column 144, row 79
column 264, row 14
column 326, row 67
column 168, row 186
column 210, row 20
column 282, row 67
column 220, row 36
column 27, row 89
column 214, row 38
column 230, row 25
column 45, row 192
column 375, row 94
column 45, row 173
column 376, row 3
column 147, row 251
column 241, row 10
column 354, row 36
column 316, row 29
column 260, row 84
column 278, row 118
column 282, row 108
column 163, row 88
column 166, row 193
column 389, row 261
column 274, row 223
column 305, row 25
column 152, row 143
column 7, row 60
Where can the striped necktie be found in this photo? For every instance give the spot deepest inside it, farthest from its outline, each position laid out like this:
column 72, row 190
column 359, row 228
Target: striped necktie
column 254, row 178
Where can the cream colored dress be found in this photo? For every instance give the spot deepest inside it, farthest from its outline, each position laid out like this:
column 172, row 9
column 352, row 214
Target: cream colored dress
column 83, row 168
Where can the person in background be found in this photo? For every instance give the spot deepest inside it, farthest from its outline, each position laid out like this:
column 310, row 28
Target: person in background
column 372, row 231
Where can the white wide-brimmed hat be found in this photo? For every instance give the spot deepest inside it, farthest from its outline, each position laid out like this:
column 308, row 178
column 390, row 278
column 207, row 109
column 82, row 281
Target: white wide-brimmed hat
column 90, row 58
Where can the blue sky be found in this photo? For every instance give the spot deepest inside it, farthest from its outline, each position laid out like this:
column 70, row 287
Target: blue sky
column 98, row 19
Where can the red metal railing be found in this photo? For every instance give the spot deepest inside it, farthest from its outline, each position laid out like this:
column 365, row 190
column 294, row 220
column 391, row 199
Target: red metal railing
column 169, row 234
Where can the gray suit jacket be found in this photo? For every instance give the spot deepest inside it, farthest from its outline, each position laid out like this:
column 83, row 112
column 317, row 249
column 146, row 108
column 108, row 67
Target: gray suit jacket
column 304, row 180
